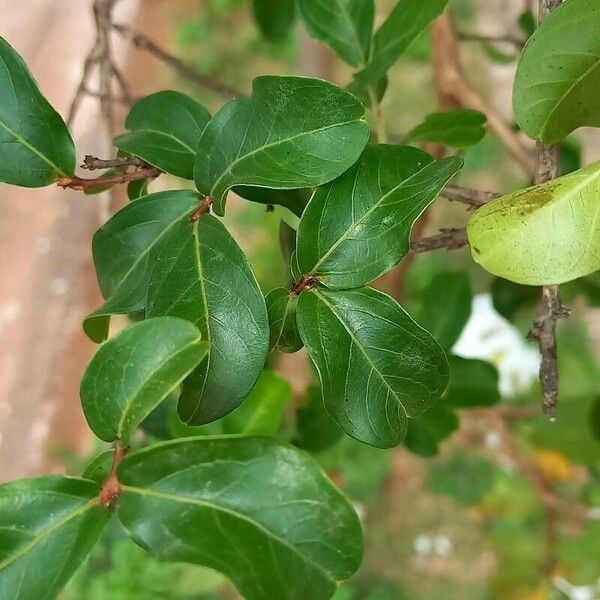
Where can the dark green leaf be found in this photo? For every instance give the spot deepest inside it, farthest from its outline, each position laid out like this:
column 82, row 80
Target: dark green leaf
column 35, row 145
column 405, row 22
column 595, row 418
column 165, row 130
column 377, row 366
column 274, row 17
column 509, row 297
column 134, row 371
column 260, row 512
column 200, row 274
column 99, row 468
column 137, row 189
column 48, row 525
column 281, row 306
column 472, row 383
column 362, row 91
column 344, row 25
column 315, row 429
column 570, row 155
column 446, row 306
column 122, row 249
column 261, row 413
column 527, row 23
column 287, row 243
column 293, row 132
column 293, row 200
column 358, row 227
column 456, row 128
column 427, row 431
column 558, row 77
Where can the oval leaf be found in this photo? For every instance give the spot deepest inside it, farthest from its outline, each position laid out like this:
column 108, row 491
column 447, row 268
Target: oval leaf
column 456, row 128
column 48, row 525
column 134, row 371
column 122, row 248
column 428, row 431
column 274, row 17
column 370, row 390
column 293, row 132
column 344, row 25
column 472, row 383
column 35, row 145
column 358, row 227
column 405, row 22
column 165, row 130
column 542, row 235
column 201, row 275
column 281, row 307
column 558, row 77
column 262, row 513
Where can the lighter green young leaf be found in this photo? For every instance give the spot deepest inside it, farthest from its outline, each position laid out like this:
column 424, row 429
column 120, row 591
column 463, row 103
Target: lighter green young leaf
column 270, row 519
column 377, row 366
column 542, row 235
column 201, row 274
column 165, row 130
column 134, row 371
column 35, row 145
column 358, row 227
column 456, row 128
column 344, row 25
column 558, row 78
column 293, row 132
column 48, row 525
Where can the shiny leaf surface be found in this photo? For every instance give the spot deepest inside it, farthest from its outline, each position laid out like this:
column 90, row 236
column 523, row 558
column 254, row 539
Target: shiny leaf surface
column 269, row 518
column 542, row 235
column 293, row 132
column 134, row 371
column 35, row 145
column 201, row 275
column 357, row 227
column 165, row 130
column 377, row 366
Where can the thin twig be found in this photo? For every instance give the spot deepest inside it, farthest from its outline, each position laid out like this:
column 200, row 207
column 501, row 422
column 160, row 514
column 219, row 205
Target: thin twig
column 143, row 42
column 81, row 184
column 93, row 163
column 473, row 198
column 111, row 488
column 447, row 239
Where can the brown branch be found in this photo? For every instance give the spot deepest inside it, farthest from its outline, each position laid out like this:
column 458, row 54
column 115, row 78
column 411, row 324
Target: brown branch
column 473, row 198
column 93, row 163
column 81, row 184
column 111, row 488
column 447, row 239
column 457, row 91
column 202, row 209
column 143, row 42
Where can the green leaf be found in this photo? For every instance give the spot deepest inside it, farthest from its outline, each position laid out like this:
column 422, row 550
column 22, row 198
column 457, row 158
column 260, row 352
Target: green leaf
column 358, row 227
column 134, row 371
column 527, row 23
column 545, row 234
column 293, row 200
column 99, row 468
column 427, row 431
column 558, row 77
column 274, row 17
column 508, row 297
column 200, row 274
column 315, row 429
column 446, row 306
column 472, row 383
column 262, row 513
column 48, row 525
column 122, row 248
column 293, row 132
column 405, row 22
column 281, row 306
column 456, row 128
column 35, row 145
column 137, row 189
column 261, row 413
column 344, row 25
column 376, row 365
column 165, row 128
column 287, row 244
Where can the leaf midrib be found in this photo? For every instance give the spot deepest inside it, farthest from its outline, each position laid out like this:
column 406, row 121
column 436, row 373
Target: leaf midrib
column 210, row 505
column 40, row 536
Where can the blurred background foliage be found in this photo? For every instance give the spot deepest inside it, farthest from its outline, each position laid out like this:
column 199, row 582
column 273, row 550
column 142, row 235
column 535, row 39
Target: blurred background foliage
column 493, row 502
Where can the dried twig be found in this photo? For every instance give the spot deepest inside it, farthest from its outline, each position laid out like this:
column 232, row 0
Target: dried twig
column 143, row 42
column 456, row 89
column 81, row 184
column 447, row 239
column 473, row 198
column 93, row 163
